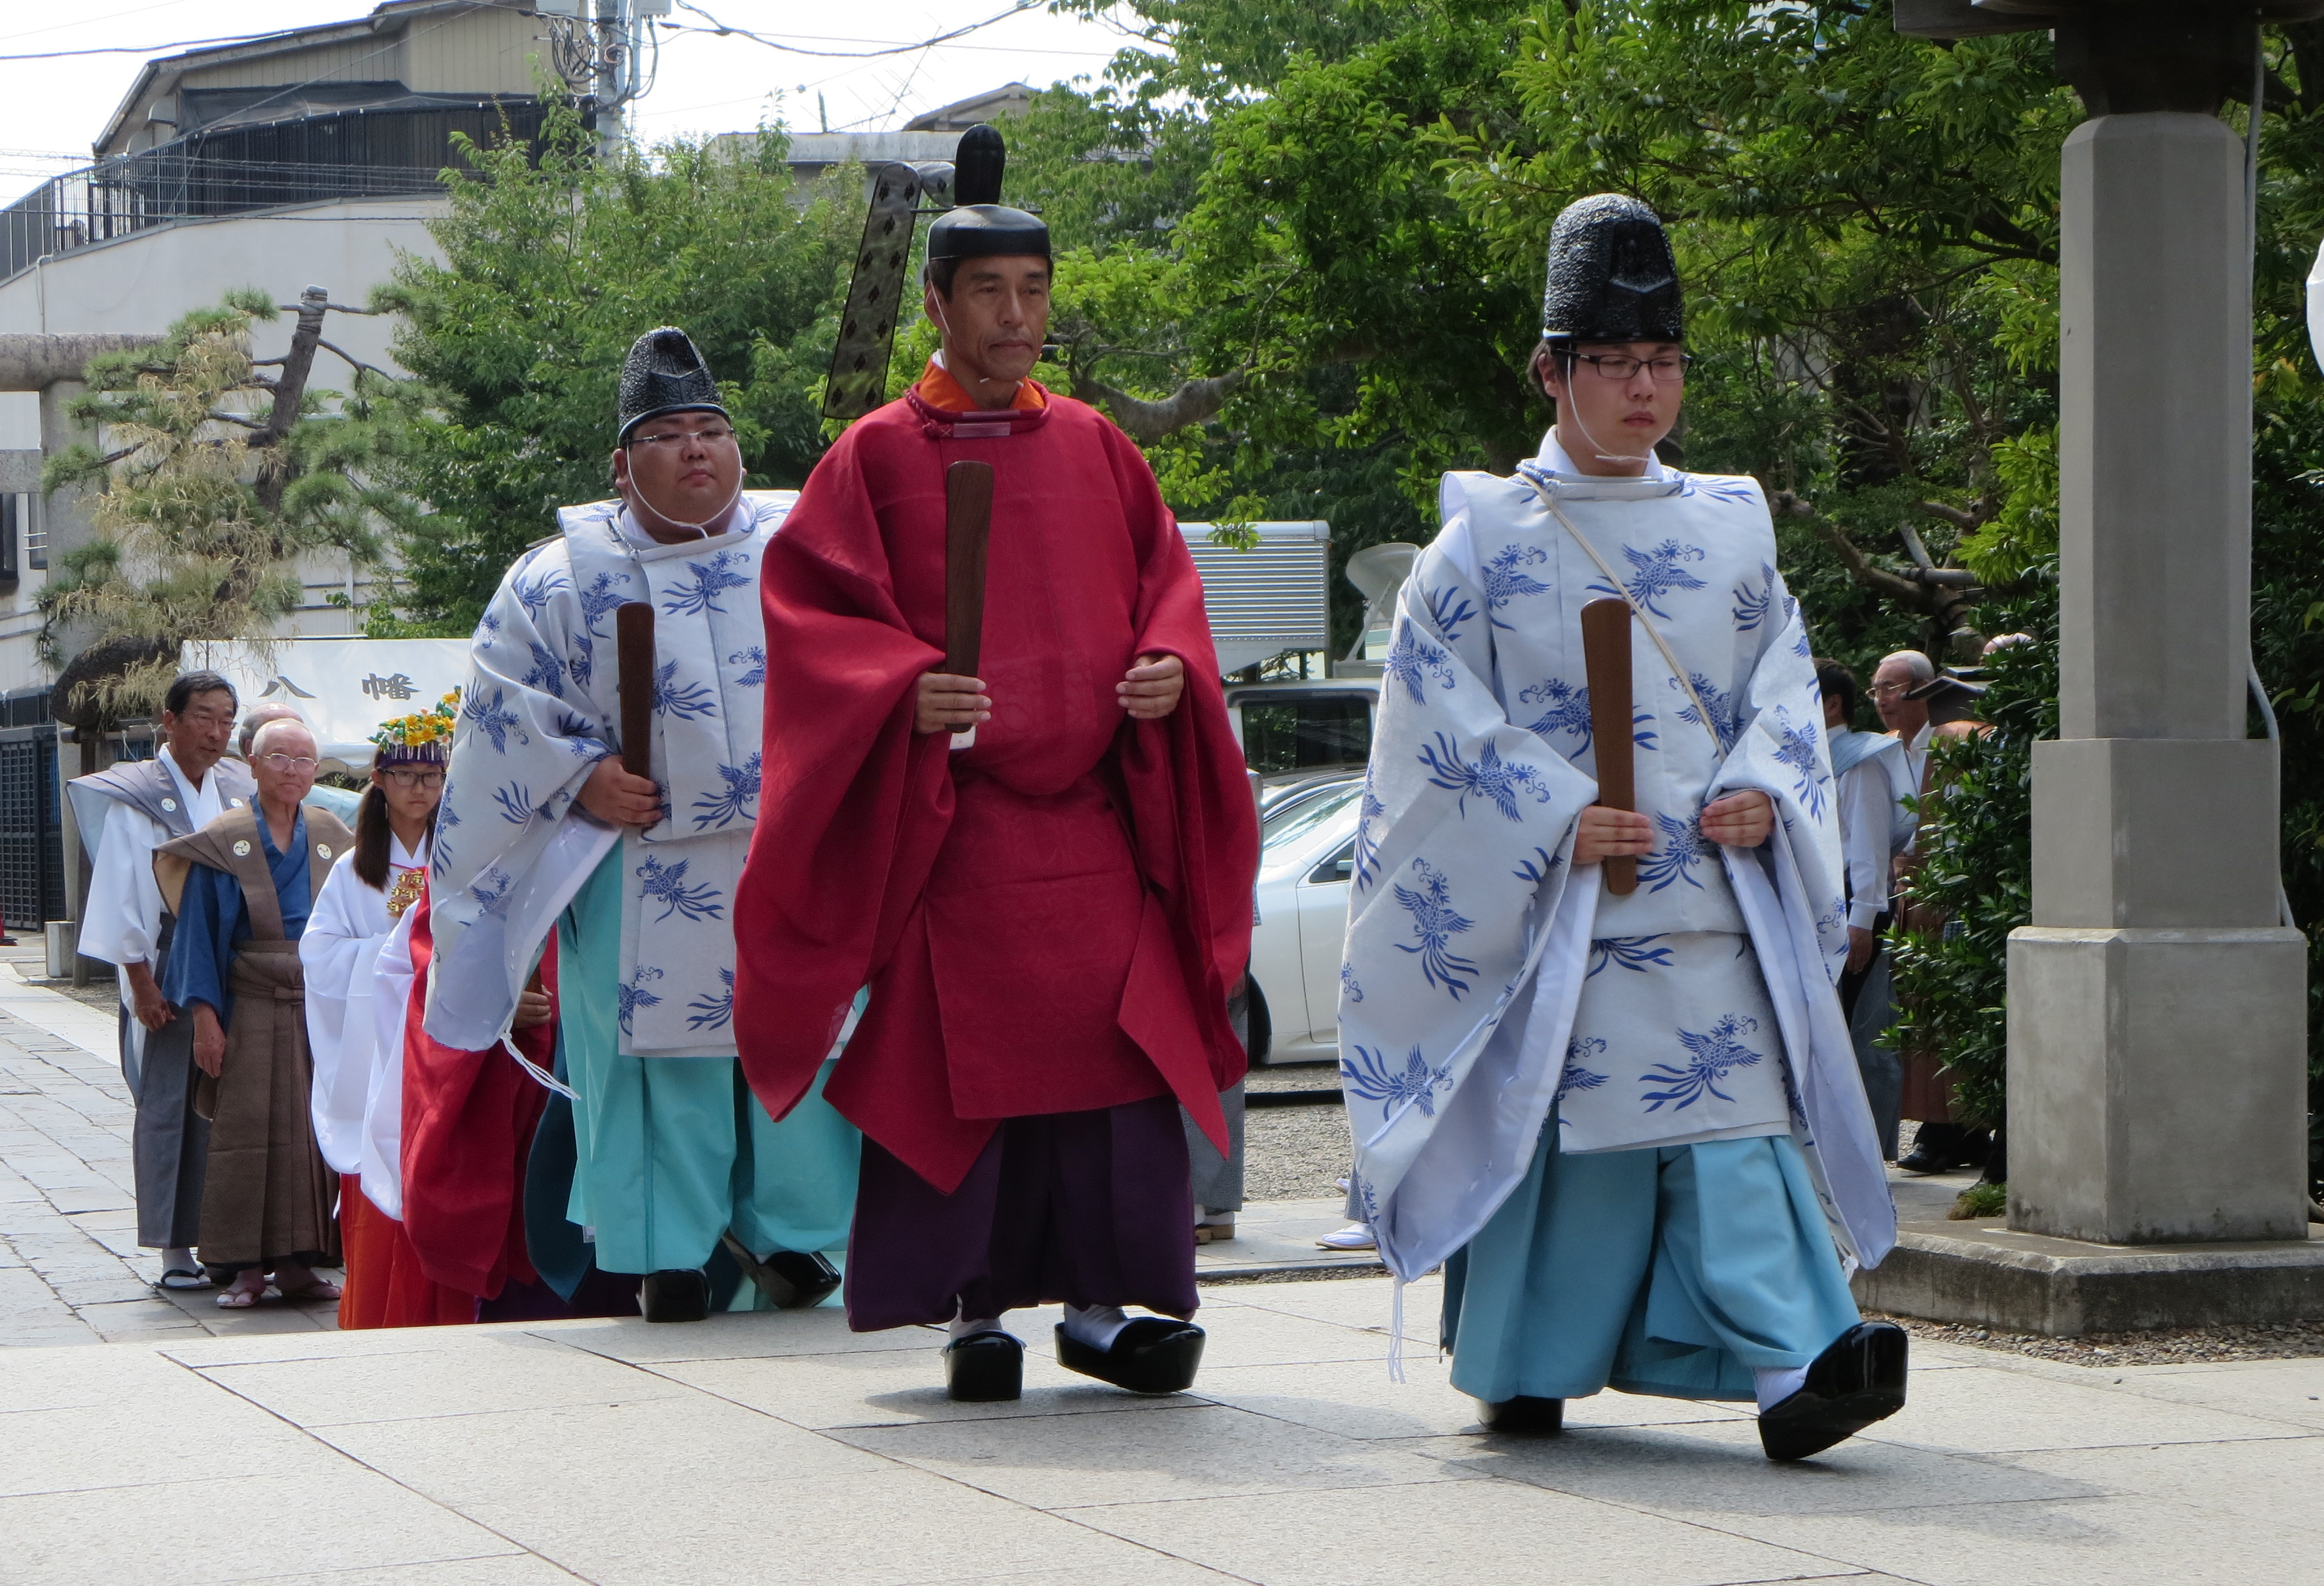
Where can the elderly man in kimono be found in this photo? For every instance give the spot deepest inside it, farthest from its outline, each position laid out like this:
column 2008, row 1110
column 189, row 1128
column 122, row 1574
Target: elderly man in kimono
column 1629, row 1125
column 542, row 829
column 242, row 889
column 126, row 811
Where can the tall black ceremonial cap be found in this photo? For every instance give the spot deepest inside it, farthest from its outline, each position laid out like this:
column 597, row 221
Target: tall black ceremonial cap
column 1611, row 274
column 981, row 226
column 664, row 374
column 986, row 231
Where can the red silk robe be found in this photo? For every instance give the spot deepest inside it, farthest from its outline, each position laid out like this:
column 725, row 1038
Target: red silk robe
column 1051, row 920
column 468, row 1122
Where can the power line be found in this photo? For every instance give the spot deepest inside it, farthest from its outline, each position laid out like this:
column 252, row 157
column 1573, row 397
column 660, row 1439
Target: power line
column 722, row 30
column 143, row 49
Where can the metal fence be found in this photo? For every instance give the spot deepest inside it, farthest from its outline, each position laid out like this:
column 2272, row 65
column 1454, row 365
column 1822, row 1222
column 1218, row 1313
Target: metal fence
column 31, row 813
column 366, row 153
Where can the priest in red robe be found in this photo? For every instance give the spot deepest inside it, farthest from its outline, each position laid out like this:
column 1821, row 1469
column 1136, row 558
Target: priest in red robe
column 1049, row 913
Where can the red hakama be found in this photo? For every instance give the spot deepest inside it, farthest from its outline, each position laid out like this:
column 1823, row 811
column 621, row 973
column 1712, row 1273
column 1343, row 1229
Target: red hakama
column 385, row 1287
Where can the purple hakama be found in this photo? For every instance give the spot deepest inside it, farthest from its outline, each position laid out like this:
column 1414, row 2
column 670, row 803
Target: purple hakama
column 1090, row 1208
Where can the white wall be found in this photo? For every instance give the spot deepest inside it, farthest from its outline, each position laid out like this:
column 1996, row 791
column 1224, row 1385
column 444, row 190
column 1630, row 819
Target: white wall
column 143, row 281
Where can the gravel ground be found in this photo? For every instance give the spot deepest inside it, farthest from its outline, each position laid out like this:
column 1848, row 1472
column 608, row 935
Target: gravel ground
column 2176, row 1346
column 1294, row 1153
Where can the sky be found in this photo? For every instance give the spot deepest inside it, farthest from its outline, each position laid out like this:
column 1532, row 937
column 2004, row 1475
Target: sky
column 52, row 109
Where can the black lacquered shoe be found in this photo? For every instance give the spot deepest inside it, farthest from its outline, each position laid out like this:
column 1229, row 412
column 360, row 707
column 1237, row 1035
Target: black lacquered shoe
column 1153, row 1354
column 985, row 1367
column 801, row 1278
column 1524, row 1416
column 1859, row 1381
column 680, row 1294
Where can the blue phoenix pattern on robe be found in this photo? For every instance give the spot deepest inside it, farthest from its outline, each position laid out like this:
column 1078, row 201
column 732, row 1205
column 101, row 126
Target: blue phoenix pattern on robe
column 491, row 890
column 1684, row 847
column 1796, row 747
column 713, row 1009
column 1368, row 1076
column 548, row 673
column 711, row 580
column 1504, row 582
column 630, row 997
column 1726, row 720
column 1631, row 953
column 684, row 701
column 727, row 804
column 1569, row 712
column 1435, row 922
column 756, row 659
column 1712, row 1056
column 1411, row 661
column 1658, row 573
column 1576, row 1077
column 598, row 601
column 494, row 719
column 1448, row 609
column 1348, row 986
column 1490, row 779
column 515, row 800
column 666, row 883
column 534, row 594
column 1535, row 866
column 1750, row 609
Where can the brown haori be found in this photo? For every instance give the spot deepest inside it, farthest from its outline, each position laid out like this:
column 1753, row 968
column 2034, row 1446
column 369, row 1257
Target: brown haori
column 268, row 1194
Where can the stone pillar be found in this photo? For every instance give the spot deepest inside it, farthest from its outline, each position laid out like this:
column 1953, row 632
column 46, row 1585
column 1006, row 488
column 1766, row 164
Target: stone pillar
column 2157, row 1004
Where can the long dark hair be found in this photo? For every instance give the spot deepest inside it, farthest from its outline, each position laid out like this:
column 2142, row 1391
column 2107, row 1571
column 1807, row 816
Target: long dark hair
column 373, row 835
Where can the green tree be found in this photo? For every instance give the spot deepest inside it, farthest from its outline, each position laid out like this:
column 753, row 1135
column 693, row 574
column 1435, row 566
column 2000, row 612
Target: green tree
column 552, row 265
column 216, row 478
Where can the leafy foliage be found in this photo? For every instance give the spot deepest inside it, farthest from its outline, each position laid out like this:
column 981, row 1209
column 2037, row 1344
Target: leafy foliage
column 552, row 265
column 219, row 477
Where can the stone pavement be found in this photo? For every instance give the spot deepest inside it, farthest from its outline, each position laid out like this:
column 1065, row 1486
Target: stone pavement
column 71, row 1271
column 777, row 1447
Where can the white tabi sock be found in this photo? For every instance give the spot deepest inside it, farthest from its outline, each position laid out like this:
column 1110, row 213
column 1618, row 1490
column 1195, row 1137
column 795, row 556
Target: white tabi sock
column 1775, row 1384
column 1096, row 1325
column 177, row 1259
column 963, row 1326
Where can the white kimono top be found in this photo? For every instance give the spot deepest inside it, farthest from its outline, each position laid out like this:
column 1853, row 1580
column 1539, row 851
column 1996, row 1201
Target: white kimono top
column 120, row 917
column 350, row 922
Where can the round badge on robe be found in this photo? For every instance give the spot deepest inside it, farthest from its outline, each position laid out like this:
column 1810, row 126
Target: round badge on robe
column 324, row 849
column 171, row 805
column 234, row 803
column 242, row 848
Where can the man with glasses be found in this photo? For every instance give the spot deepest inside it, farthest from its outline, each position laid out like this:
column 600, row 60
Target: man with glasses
column 1626, row 1118
column 124, row 814
column 242, row 889
column 542, row 830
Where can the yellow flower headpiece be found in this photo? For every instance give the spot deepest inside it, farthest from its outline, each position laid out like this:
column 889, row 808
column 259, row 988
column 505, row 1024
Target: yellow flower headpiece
column 423, row 735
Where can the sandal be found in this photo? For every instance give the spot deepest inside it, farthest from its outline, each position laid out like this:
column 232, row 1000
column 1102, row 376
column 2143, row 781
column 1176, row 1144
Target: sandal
column 184, row 1278
column 314, row 1290
column 238, row 1299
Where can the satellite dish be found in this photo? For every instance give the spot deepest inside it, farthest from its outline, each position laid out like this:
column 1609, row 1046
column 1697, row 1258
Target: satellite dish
column 1378, row 571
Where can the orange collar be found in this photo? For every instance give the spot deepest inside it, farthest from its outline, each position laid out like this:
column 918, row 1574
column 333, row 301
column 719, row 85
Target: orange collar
column 940, row 390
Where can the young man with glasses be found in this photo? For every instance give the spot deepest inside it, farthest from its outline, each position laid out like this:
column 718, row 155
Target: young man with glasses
column 1627, row 1120
column 125, row 813
column 242, row 889
column 543, row 830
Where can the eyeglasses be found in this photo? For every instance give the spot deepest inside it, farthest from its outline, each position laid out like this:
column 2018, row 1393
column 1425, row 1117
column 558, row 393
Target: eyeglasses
column 710, row 436
column 1883, row 690
column 1622, row 366
column 286, row 763
column 410, row 779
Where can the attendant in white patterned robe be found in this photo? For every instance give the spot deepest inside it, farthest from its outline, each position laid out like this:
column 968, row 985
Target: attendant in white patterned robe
column 1632, row 1127
column 541, row 830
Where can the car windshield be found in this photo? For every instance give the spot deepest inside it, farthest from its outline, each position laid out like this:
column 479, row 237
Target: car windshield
column 1301, row 817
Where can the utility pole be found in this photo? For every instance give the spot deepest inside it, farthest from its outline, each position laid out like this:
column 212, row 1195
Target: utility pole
column 607, row 55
